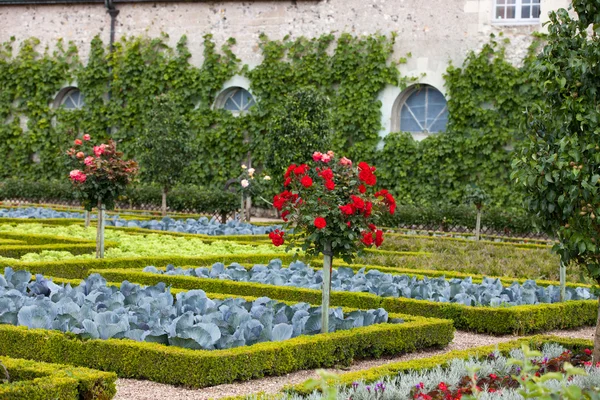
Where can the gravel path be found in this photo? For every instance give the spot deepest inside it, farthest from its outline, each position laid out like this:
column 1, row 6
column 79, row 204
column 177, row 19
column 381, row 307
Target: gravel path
column 130, row 389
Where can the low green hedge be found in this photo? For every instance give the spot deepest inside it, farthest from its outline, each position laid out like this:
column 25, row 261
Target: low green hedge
column 33, row 380
column 545, row 245
column 80, row 269
column 444, row 216
column 38, row 239
column 493, row 320
column 18, row 251
column 393, row 369
column 182, row 198
column 201, row 368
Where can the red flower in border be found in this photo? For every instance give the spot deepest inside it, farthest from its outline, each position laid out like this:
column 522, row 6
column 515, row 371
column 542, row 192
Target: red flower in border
column 320, row 223
column 329, row 185
column 358, row 203
column 289, row 171
column 362, row 188
column 443, row 387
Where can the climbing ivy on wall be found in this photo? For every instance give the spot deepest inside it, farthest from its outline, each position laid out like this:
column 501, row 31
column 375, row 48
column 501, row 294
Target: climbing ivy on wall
column 486, row 98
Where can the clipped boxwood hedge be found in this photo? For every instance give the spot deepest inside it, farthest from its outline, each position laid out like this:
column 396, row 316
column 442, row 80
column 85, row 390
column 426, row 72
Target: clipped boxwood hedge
column 17, row 251
column 393, row 369
column 493, row 320
column 201, row 368
column 38, row 239
column 80, row 269
column 34, row 380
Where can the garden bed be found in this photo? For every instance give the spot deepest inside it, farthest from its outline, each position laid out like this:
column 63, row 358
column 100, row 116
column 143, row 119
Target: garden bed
column 33, row 380
column 177, row 365
column 449, row 375
column 494, row 320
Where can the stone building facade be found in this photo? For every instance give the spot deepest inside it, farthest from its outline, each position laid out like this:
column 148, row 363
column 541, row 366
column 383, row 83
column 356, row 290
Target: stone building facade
column 434, row 32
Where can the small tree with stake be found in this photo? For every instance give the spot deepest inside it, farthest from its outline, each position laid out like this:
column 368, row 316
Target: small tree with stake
column 99, row 177
column 333, row 207
column 559, row 168
column 478, row 197
column 164, row 145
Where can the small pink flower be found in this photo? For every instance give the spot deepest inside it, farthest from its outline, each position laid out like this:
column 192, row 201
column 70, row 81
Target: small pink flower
column 317, row 156
column 78, row 176
column 346, row 161
column 80, row 155
column 99, row 150
column 89, row 160
column 78, row 142
column 326, row 158
column 86, row 137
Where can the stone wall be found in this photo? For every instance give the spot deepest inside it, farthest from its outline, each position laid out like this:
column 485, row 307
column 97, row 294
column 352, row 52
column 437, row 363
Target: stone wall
column 435, row 32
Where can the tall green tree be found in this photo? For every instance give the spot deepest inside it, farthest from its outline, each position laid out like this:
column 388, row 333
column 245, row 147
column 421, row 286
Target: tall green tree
column 300, row 126
column 164, row 144
column 559, row 167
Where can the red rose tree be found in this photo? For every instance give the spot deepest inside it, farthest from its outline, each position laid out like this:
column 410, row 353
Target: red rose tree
column 99, row 176
column 333, row 207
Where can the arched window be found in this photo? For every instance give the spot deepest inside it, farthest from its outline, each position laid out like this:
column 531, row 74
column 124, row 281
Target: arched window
column 70, row 98
column 236, row 99
column 421, row 109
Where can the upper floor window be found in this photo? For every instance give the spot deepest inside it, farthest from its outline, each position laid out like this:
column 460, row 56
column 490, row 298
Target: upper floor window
column 517, row 11
column 422, row 109
column 236, row 99
column 70, row 98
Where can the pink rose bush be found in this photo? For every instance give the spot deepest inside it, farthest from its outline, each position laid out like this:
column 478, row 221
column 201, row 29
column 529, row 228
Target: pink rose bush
column 99, row 174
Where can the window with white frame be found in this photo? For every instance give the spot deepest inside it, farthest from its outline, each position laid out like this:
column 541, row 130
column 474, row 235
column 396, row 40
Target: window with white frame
column 70, row 98
column 236, row 99
column 421, row 109
column 517, row 11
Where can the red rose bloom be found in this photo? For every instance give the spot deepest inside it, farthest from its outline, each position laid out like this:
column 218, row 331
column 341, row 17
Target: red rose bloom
column 289, row 171
column 284, row 215
column 358, row 203
column 326, row 174
column 378, row 238
column 372, row 227
column 348, row 209
column 277, row 237
column 301, row 169
column 368, row 209
column 367, row 238
column 330, row 185
column 320, row 222
column 78, row 142
column 362, row 188
column 287, row 182
column 365, row 173
column 349, row 224
column 306, row 181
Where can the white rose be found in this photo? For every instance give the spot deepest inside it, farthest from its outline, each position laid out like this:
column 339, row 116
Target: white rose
column 251, row 171
column 245, row 183
column 267, row 178
column 244, row 166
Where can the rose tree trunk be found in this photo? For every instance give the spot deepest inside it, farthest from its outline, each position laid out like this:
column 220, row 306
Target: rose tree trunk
column 100, row 232
column 327, row 265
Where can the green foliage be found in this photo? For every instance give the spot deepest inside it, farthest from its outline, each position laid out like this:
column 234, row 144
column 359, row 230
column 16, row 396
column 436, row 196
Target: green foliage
column 188, row 198
column 164, row 150
column 486, row 97
column 558, row 167
column 200, row 368
column 442, row 217
column 476, row 196
column 299, row 126
column 34, row 380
